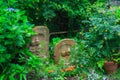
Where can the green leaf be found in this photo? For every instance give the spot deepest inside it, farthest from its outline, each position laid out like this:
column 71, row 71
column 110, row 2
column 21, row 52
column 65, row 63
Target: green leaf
column 24, row 77
column 101, row 63
column 2, row 77
column 21, row 76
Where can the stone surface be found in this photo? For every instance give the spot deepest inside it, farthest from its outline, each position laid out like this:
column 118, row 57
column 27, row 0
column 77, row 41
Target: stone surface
column 62, row 50
column 40, row 41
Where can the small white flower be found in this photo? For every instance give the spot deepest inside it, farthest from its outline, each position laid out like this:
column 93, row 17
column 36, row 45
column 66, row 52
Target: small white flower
column 47, row 63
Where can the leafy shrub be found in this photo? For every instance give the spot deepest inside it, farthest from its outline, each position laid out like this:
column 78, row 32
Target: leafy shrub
column 80, row 57
column 117, row 12
column 52, row 45
column 15, row 32
column 103, row 35
column 57, row 15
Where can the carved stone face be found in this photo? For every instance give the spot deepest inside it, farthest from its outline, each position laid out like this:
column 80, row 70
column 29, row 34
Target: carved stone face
column 65, row 53
column 40, row 41
column 62, row 50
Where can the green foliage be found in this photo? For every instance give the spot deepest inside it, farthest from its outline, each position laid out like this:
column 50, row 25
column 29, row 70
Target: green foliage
column 101, row 37
column 52, row 45
column 57, row 15
column 116, row 57
column 83, row 58
column 117, row 12
column 103, row 34
column 15, row 32
column 55, row 40
column 80, row 57
column 115, row 75
column 77, row 54
column 100, row 64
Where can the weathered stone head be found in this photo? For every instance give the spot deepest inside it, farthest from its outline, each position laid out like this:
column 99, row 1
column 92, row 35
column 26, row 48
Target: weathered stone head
column 40, row 41
column 62, row 50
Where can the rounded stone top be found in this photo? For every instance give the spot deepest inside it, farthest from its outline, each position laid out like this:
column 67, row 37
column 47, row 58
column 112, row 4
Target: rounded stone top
column 62, row 49
column 41, row 29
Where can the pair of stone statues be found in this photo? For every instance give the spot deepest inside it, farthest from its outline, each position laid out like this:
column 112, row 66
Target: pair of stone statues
column 40, row 45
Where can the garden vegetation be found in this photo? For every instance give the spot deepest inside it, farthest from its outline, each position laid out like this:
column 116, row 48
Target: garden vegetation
column 98, row 38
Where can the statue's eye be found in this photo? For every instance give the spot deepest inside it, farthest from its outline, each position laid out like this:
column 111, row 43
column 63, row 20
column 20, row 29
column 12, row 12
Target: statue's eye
column 63, row 53
column 67, row 53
